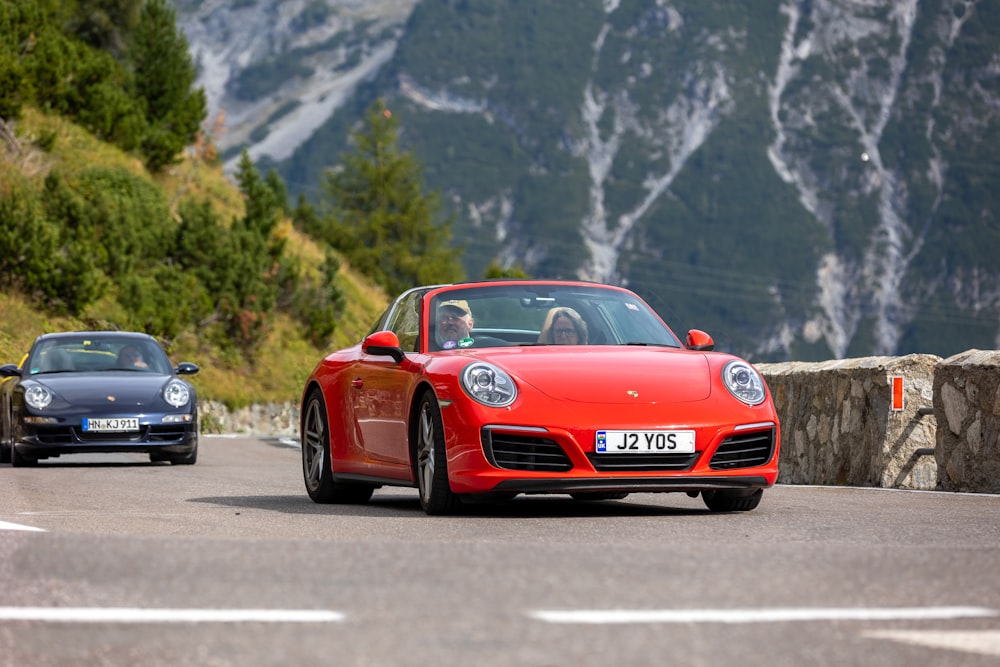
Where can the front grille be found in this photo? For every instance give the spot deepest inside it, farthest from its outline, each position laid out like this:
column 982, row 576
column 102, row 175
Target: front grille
column 54, row 435
column 69, row 435
column 744, row 450
column 524, row 452
column 98, row 436
column 168, row 432
column 641, row 462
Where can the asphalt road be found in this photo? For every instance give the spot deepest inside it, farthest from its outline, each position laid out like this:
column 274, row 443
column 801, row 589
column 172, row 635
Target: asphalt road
column 111, row 560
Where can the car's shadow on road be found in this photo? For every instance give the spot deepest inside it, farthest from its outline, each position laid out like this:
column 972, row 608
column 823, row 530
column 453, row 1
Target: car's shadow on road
column 98, row 464
column 553, row 506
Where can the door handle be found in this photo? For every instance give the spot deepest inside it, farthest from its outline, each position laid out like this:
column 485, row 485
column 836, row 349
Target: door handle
column 357, row 383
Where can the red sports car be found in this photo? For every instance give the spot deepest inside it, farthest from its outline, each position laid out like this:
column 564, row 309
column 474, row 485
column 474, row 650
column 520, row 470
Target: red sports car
column 482, row 391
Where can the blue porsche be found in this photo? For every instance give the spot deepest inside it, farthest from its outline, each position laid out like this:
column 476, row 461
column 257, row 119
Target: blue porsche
column 97, row 391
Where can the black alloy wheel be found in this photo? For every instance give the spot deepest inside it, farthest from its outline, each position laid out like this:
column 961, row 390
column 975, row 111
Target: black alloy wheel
column 317, row 469
column 436, row 496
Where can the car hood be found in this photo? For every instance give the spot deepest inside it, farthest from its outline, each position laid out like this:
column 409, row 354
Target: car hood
column 100, row 389
column 611, row 375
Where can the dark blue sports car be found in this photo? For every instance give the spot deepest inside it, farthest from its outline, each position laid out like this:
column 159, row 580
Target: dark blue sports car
column 97, row 391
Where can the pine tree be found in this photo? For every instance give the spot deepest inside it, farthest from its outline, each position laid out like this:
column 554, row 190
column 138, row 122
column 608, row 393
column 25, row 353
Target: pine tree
column 164, row 79
column 382, row 220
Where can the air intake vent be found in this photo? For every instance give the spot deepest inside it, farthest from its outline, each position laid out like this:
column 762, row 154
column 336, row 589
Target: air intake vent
column 641, row 462
column 524, row 452
column 744, row 451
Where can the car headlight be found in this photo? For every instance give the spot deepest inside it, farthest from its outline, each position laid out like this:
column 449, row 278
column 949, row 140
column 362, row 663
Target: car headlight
column 488, row 385
column 744, row 382
column 176, row 394
column 37, row 397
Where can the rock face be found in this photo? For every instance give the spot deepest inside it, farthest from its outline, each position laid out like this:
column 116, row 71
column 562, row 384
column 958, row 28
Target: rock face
column 967, row 409
column 812, row 178
column 839, row 425
column 841, row 421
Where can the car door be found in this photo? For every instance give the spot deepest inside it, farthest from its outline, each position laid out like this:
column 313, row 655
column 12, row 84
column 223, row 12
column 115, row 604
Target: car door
column 381, row 388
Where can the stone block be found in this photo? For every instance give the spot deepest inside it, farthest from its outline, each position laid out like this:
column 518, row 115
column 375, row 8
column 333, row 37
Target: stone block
column 967, row 407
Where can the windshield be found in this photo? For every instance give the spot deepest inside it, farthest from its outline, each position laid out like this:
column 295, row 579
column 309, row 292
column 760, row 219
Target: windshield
column 91, row 353
column 501, row 315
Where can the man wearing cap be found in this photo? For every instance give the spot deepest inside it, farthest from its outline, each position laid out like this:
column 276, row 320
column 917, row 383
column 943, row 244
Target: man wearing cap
column 454, row 324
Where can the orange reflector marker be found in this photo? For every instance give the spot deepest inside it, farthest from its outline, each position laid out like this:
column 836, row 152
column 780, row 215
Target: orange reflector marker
column 897, row 393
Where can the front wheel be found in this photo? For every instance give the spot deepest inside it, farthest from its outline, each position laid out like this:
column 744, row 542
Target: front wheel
column 436, row 496
column 188, row 459
column 6, row 439
column 317, row 469
column 18, row 461
column 732, row 500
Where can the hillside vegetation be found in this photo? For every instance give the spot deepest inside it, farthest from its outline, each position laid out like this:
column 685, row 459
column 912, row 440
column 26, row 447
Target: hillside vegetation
column 115, row 213
column 276, row 367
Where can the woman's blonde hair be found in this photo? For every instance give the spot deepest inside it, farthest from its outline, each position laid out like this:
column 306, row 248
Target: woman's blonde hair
column 547, row 336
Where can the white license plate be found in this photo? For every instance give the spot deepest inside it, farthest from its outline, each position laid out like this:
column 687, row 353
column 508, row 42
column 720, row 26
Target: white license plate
column 645, row 442
column 112, row 425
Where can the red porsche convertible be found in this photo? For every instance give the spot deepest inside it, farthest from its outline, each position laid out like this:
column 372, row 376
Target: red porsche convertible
column 482, row 391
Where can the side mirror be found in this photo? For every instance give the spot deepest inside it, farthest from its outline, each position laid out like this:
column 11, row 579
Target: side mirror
column 186, row 368
column 9, row 371
column 700, row 341
column 383, row 343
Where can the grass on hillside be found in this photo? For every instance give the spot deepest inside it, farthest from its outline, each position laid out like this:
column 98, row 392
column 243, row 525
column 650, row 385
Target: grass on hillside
column 279, row 368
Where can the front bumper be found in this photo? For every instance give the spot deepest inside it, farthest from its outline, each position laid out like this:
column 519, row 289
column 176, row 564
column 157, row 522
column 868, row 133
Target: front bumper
column 47, row 440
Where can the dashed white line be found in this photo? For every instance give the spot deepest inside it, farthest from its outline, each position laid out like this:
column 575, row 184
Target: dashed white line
column 16, row 526
column 774, row 615
column 142, row 615
column 984, row 642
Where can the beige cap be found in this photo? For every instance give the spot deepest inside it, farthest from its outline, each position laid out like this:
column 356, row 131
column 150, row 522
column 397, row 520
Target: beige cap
column 460, row 304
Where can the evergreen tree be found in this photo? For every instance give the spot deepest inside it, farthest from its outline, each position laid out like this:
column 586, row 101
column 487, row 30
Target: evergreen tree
column 164, row 80
column 381, row 219
column 103, row 24
column 256, row 258
column 494, row 270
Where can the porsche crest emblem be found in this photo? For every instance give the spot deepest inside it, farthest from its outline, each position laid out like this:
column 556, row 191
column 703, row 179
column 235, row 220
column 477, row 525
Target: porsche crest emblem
column 633, row 393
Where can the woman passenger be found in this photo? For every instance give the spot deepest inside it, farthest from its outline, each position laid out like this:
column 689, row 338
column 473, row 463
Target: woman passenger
column 563, row 326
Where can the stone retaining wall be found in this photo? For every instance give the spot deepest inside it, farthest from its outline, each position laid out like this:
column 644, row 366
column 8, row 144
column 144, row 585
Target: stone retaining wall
column 841, row 423
column 967, row 408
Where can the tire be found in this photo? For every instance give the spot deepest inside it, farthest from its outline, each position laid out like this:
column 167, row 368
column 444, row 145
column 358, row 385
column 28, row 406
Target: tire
column 18, row 461
column 732, row 500
column 436, row 496
column 600, row 495
column 6, row 440
column 186, row 459
column 317, row 471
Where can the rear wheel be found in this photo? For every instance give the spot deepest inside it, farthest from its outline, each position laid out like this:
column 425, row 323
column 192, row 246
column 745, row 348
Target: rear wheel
column 317, row 469
column 732, row 500
column 436, row 496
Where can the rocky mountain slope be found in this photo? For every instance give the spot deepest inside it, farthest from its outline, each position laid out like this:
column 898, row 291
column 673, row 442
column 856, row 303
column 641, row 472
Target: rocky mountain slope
column 804, row 179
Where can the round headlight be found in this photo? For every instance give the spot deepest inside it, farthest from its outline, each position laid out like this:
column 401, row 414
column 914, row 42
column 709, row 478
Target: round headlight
column 37, row 396
column 488, row 385
column 744, row 382
column 176, row 394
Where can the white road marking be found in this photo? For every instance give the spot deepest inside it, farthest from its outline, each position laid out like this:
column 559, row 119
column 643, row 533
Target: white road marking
column 16, row 526
column 775, row 615
column 984, row 642
column 139, row 615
